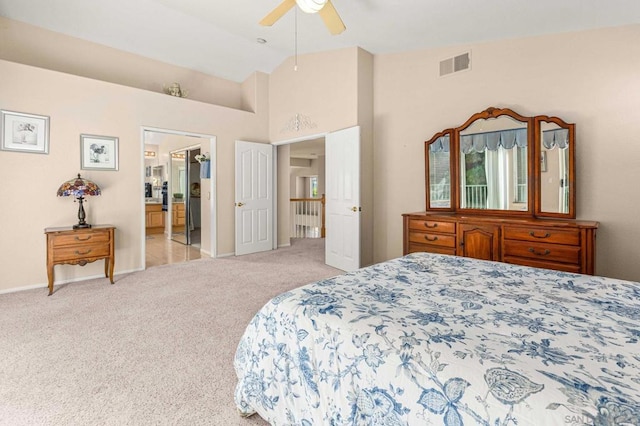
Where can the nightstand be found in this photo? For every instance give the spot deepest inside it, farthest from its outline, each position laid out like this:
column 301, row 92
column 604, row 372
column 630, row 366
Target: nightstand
column 66, row 245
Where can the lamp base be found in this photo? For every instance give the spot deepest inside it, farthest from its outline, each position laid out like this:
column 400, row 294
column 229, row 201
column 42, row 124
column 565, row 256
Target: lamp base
column 81, row 223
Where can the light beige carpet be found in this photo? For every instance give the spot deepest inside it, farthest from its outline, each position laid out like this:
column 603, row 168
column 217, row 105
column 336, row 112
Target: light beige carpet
column 156, row 347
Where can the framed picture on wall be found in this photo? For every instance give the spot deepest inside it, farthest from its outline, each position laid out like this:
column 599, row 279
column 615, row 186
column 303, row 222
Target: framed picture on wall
column 24, row 132
column 98, row 152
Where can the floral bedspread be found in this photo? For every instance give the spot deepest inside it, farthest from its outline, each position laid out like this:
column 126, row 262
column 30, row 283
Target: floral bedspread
column 433, row 339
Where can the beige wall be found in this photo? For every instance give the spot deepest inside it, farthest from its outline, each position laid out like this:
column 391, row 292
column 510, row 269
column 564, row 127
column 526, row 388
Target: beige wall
column 588, row 78
column 30, row 45
column 368, row 174
column 78, row 105
column 323, row 89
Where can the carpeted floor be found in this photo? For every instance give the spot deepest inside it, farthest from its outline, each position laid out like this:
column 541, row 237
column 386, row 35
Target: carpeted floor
column 155, row 348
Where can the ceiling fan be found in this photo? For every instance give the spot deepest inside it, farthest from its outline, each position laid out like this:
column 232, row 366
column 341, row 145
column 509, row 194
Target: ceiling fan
column 325, row 8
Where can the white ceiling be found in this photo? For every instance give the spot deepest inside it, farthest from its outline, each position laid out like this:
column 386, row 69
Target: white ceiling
column 309, row 149
column 219, row 37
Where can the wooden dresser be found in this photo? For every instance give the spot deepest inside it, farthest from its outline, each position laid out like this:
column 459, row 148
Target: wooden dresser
column 502, row 187
column 66, row 245
column 564, row 245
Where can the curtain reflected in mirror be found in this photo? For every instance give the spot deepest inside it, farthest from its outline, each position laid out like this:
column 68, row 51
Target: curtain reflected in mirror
column 493, row 165
column 440, row 173
column 554, row 168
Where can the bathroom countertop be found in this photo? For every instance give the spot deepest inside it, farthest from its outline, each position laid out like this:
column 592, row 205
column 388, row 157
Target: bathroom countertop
column 175, row 201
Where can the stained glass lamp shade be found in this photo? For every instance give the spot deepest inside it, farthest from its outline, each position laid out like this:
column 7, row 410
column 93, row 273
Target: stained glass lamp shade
column 79, row 188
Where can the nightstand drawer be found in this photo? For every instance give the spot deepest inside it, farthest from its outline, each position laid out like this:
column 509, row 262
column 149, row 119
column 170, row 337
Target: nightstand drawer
column 543, row 235
column 432, row 226
column 442, row 240
column 545, row 252
column 81, row 252
column 79, row 238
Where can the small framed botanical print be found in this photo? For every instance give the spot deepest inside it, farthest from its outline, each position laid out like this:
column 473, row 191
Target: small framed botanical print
column 24, row 132
column 98, row 152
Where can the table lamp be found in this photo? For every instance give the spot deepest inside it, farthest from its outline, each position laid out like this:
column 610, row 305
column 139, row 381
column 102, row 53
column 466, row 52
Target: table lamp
column 79, row 188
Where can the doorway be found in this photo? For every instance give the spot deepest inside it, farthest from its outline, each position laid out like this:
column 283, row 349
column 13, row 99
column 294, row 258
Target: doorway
column 197, row 222
column 341, row 167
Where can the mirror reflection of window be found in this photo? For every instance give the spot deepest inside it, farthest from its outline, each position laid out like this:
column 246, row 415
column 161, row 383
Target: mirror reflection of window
column 564, row 180
column 520, row 175
column 440, row 173
column 475, row 186
column 493, row 165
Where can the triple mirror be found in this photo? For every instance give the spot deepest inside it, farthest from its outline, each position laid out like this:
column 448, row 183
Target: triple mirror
column 501, row 162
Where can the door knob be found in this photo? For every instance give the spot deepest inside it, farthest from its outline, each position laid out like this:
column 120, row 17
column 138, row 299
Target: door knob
column 239, row 204
column 354, row 209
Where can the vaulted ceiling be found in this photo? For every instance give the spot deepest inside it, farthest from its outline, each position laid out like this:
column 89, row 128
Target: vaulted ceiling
column 220, row 37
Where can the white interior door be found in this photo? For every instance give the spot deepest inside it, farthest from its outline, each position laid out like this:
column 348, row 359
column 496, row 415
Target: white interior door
column 254, row 197
column 342, row 242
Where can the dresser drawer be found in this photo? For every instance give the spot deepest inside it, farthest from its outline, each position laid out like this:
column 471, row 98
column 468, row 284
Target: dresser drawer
column 566, row 267
column 432, row 226
column 79, row 238
column 442, row 240
column 543, row 235
column 414, row 247
column 543, row 252
column 81, row 251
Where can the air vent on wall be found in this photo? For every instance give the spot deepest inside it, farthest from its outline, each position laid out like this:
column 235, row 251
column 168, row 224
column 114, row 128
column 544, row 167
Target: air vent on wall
column 456, row 64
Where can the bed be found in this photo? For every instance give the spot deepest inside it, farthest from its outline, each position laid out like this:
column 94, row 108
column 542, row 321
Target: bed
column 436, row 339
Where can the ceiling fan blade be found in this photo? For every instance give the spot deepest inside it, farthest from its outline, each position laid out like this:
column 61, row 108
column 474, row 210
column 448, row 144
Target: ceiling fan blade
column 331, row 19
column 278, row 12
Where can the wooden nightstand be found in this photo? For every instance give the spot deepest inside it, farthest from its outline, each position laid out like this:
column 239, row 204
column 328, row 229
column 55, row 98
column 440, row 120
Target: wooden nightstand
column 66, row 245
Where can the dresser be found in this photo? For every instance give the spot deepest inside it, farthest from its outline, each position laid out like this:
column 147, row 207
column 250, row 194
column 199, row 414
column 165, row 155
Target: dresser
column 66, row 245
column 564, row 245
column 502, row 187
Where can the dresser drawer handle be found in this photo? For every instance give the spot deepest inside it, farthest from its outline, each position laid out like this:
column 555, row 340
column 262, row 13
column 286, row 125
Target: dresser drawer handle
column 426, row 237
column 539, row 253
column 82, row 253
column 83, row 239
column 426, row 225
column 533, row 234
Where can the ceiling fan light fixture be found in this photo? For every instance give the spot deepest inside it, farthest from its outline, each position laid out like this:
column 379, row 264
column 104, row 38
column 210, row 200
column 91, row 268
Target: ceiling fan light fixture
column 311, row 6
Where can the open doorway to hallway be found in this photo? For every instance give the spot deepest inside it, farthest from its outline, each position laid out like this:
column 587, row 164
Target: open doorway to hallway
column 306, row 191
column 343, row 209
column 179, row 203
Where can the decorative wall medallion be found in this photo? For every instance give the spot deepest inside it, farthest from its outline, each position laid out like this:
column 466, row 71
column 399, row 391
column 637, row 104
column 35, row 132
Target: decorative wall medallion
column 297, row 123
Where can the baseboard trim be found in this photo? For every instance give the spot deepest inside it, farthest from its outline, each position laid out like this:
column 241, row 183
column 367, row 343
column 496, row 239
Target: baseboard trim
column 75, row 280
column 225, row 255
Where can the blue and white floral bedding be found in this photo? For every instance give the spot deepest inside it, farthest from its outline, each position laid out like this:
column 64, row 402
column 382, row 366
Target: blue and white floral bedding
column 433, row 339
